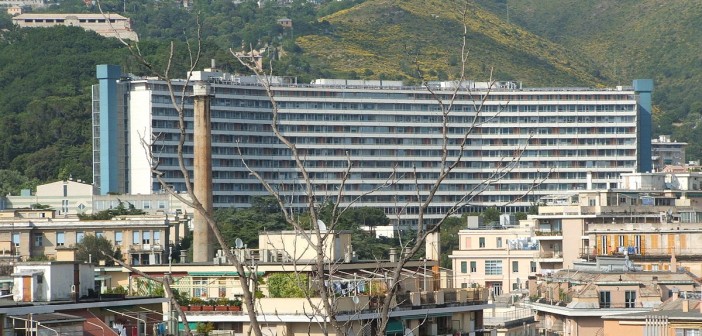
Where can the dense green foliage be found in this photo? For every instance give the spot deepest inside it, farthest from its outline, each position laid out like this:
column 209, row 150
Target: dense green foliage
column 93, row 248
column 45, row 79
column 108, row 214
column 245, row 224
column 288, row 285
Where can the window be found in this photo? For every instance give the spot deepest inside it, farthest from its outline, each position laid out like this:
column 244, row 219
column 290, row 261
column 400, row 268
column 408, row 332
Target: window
column 136, row 237
column 79, row 236
column 515, row 266
column 99, row 234
column 147, row 204
column 464, row 267
column 38, row 240
column 464, row 285
column 16, row 239
column 199, row 287
column 157, row 237
column 60, row 238
column 687, row 332
column 146, row 238
column 630, row 299
column 161, row 204
column 481, row 242
column 473, row 266
column 493, row 267
column 605, row 299
column 118, row 238
column 499, row 242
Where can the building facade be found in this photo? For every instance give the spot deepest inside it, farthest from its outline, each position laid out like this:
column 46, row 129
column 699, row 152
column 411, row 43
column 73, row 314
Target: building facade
column 71, row 198
column 108, row 25
column 27, row 234
column 23, row 3
column 499, row 258
column 578, row 301
column 523, row 143
column 667, row 152
column 357, row 288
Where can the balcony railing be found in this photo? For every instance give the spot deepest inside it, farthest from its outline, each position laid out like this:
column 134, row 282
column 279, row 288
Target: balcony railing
column 145, row 247
column 551, row 255
column 548, row 233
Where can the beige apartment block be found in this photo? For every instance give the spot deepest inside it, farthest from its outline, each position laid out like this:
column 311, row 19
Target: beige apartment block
column 108, row 25
column 499, row 258
column 653, row 217
column 578, row 301
column 676, row 316
column 33, row 233
column 70, row 198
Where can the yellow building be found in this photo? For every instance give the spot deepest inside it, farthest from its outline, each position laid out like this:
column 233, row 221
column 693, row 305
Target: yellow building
column 27, row 234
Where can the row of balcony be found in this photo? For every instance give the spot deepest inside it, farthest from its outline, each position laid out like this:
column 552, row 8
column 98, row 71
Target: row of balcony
column 362, row 303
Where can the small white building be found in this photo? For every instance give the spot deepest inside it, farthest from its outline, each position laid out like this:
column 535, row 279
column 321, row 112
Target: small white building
column 47, row 281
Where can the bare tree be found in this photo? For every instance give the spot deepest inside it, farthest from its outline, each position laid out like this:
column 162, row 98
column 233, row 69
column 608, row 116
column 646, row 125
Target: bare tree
column 315, row 236
column 422, row 229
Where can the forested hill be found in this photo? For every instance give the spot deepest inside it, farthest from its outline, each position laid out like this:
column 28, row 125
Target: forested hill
column 45, row 74
column 389, row 38
column 45, row 79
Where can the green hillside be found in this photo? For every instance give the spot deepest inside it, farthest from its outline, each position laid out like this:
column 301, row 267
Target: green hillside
column 387, row 38
column 45, row 74
column 630, row 39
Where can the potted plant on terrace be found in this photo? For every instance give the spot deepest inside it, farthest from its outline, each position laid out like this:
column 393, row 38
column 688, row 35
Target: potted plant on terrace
column 235, row 305
column 196, row 304
column 222, row 304
column 209, row 305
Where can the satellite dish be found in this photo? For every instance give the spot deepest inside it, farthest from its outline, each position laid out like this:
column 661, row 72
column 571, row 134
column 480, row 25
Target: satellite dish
column 409, row 332
column 321, row 225
column 238, row 243
column 355, row 299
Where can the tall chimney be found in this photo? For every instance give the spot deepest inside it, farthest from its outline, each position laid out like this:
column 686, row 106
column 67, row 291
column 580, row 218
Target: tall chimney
column 203, row 244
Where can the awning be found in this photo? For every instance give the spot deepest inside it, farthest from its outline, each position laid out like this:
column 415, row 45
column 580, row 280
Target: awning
column 220, row 273
column 394, row 327
column 192, row 325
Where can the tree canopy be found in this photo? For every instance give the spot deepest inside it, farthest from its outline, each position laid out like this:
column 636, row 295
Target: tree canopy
column 93, row 249
column 119, row 210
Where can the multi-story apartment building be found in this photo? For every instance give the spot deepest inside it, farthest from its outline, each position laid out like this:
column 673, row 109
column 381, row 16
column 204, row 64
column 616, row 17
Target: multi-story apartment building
column 667, row 152
column 524, row 144
column 500, row 258
column 70, row 198
column 23, row 3
column 576, row 301
column 420, row 307
column 108, row 25
column 32, row 233
column 681, row 315
column 652, row 217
